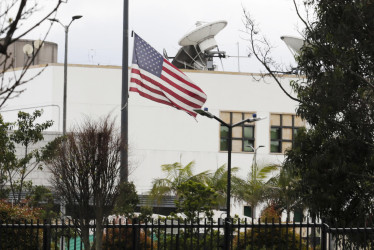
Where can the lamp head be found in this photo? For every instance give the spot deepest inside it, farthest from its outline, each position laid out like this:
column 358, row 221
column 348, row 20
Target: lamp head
column 204, row 112
column 53, row 20
column 255, row 118
column 76, row 17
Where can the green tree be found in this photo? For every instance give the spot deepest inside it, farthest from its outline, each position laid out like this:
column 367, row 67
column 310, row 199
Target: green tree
column 196, row 198
column 176, row 174
column 218, row 182
column 281, row 193
column 15, row 166
column 334, row 158
column 42, row 197
column 252, row 190
column 146, row 213
column 7, row 156
column 127, row 200
column 26, row 135
column 332, row 161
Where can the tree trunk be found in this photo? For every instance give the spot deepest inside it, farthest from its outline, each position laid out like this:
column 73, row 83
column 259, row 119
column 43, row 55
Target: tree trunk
column 85, row 234
column 99, row 214
column 99, row 235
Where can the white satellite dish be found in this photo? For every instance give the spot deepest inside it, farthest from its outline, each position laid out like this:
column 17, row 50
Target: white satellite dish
column 38, row 44
column 28, row 49
column 293, row 43
column 203, row 36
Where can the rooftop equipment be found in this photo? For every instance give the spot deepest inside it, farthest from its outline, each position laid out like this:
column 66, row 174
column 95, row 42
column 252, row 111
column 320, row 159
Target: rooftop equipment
column 197, row 47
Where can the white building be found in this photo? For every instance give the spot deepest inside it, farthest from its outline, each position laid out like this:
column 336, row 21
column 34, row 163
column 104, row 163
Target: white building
column 159, row 134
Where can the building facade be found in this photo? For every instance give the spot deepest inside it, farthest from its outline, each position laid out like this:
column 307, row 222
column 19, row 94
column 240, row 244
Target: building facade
column 159, row 134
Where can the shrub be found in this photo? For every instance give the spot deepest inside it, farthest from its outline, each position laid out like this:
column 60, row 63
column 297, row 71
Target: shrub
column 18, row 212
column 19, row 238
column 270, row 213
column 269, row 238
column 123, row 238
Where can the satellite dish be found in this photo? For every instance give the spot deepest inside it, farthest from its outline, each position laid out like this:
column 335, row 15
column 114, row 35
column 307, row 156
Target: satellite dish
column 38, row 44
column 293, row 43
column 203, row 36
column 28, row 49
column 190, row 57
column 195, row 52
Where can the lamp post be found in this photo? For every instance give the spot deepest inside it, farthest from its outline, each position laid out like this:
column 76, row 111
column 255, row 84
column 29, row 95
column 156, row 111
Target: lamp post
column 254, row 163
column 254, row 175
column 230, row 127
column 66, row 28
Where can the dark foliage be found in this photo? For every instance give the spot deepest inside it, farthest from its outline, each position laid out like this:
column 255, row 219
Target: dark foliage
column 334, row 159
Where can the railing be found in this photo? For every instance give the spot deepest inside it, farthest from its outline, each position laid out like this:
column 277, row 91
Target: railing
column 177, row 234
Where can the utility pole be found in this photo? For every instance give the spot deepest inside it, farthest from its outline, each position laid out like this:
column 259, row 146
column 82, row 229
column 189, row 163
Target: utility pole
column 124, row 171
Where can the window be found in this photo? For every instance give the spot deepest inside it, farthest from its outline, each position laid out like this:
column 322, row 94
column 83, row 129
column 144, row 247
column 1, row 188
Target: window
column 243, row 136
column 247, row 211
column 298, row 215
column 283, row 131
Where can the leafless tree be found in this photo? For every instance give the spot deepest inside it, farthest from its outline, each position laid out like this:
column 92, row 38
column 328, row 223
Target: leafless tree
column 15, row 24
column 261, row 49
column 85, row 173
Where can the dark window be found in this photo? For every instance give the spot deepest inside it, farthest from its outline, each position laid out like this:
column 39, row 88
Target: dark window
column 275, row 146
column 283, row 131
column 248, row 146
column 243, row 138
column 298, row 215
column 247, row 211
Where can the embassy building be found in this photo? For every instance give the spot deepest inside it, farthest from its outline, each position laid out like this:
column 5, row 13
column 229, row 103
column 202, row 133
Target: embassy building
column 159, row 134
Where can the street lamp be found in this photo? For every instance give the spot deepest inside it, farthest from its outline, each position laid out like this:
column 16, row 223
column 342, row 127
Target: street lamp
column 254, row 163
column 229, row 126
column 66, row 28
column 254, row 175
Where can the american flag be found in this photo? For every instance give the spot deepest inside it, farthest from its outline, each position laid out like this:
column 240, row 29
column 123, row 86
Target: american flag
column 155, row 78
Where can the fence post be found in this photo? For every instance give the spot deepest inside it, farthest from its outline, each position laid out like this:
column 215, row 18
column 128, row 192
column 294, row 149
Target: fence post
column 135, row 239
column 323, row 236
column 227, row 234
column 46, row 235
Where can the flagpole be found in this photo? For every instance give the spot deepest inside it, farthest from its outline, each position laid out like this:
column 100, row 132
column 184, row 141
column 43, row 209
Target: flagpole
column 124, row 99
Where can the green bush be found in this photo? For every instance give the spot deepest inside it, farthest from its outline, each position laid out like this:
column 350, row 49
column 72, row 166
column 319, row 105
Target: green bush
column 116, row 238
column 270, row 238
column 192, row 240
column 22, row 238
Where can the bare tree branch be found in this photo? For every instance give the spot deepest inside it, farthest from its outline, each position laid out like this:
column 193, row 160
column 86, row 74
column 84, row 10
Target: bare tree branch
column 85, row 172
column 9, row 87
column 262, row 52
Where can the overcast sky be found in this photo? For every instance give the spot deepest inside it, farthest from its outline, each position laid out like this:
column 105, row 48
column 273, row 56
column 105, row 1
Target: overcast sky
column 97, row 37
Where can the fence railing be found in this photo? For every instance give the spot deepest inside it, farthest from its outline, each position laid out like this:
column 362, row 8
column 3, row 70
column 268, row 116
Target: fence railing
column 178, row 234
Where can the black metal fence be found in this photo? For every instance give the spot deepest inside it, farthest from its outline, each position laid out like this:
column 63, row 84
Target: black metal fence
column 177, row 234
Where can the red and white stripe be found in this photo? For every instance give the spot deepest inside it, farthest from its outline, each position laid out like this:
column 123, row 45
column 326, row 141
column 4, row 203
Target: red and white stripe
column 173, row 88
